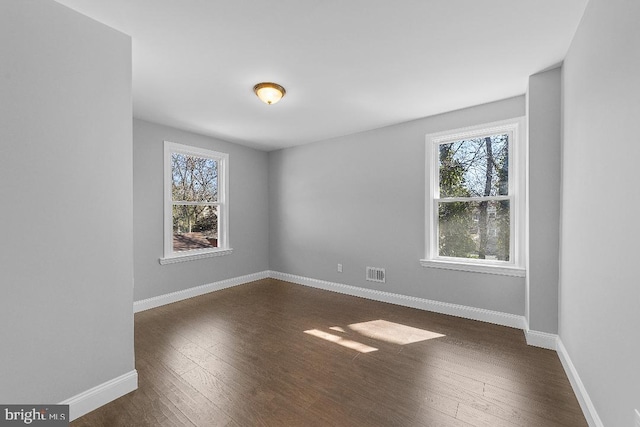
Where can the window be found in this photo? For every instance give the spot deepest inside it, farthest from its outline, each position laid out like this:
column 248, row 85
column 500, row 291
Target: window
column 195, row 203
column 474, row 200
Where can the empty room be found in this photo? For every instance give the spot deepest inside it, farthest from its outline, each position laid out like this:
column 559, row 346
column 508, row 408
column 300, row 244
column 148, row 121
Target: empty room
column 332, row 213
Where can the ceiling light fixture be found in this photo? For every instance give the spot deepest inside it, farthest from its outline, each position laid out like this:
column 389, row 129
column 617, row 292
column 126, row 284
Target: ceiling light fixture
column 269, row 93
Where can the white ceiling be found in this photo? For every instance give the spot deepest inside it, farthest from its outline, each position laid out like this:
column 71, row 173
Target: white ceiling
column 347, row 65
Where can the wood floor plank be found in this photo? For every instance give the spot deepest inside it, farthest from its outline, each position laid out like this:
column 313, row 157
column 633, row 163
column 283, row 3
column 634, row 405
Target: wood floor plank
column 271, row 353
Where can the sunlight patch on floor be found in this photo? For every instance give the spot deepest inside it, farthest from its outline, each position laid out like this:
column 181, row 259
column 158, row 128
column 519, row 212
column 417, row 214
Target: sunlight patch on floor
column 391, row 332
column 354, row 345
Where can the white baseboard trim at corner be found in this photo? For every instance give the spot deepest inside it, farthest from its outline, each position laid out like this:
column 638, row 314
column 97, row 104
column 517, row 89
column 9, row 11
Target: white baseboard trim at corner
column 102, row 394
column 541, row 339
column 489, row 316
column 169, row 298
column 589, row 411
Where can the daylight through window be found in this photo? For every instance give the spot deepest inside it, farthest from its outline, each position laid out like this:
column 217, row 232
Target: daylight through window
column 194, row 199
column 474, row 201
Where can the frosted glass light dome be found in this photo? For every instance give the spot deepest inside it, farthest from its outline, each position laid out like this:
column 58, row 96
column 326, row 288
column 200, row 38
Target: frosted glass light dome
column 269, row 93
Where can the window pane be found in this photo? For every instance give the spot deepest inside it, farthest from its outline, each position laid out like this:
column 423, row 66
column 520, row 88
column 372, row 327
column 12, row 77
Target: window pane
column 194, row 179
column 194, row 227
column 475, row 167
column 477, row 230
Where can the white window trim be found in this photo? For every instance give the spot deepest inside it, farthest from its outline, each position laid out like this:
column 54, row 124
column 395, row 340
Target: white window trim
column 224, row 248
column 517, row 157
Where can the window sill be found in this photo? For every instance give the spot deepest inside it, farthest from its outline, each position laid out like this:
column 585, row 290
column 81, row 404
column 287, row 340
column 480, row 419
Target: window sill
column 501, row 270
column 194, row 256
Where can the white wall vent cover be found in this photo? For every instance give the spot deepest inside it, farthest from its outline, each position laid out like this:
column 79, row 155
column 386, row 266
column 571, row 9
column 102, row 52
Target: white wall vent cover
column 375, row 274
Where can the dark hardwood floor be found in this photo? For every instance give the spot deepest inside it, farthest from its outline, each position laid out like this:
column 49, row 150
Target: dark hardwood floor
column 271, row 353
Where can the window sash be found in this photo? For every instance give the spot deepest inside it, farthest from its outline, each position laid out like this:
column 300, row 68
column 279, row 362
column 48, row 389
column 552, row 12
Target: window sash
column 193, row 183
column 188, row 203
column 436, row 230
column 472, row 199
column 469, row 138
column 437, row 200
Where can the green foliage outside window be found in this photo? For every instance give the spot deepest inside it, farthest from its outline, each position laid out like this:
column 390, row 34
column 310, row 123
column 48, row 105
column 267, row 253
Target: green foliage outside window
column 475, row 169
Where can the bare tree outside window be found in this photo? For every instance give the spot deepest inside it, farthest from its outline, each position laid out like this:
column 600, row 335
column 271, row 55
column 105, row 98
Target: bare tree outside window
column 194, row 193
column 473, row 204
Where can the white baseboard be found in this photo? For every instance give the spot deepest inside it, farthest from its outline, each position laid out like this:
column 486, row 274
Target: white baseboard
column 92, row 399
column 590, row 413
column 169, row 298
column 541, row 339
column 495, row 317
column 102, row 394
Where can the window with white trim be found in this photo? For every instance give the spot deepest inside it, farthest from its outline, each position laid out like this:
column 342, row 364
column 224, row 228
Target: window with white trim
column 196, row 211
column 475, row 199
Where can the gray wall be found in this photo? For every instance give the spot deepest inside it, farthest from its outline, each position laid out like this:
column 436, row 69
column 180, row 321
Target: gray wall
column 599, row 291
column 545, row 136
column 66, row 257
column 359, row 200
column 248, row 214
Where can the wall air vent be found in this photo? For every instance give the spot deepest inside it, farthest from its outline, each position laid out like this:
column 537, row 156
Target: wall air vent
column 375, row 274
